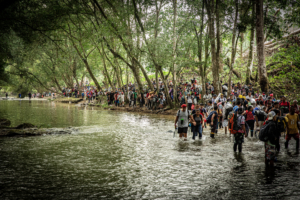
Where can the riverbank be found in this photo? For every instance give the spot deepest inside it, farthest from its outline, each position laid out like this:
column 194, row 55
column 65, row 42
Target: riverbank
column 22, row 99
column 138, row 109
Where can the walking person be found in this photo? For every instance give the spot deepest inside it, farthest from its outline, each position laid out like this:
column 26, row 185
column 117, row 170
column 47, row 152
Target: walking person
column 292, row 128
column 190, row 102
column 182, row 120
column 239, row 136
column 273, row 138
column 197, row 126
column 250, row 119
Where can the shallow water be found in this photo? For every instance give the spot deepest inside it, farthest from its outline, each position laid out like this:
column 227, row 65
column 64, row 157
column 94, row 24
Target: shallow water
column 119, row 155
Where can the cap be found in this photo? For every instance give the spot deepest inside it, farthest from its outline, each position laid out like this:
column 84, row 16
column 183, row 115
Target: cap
column 183, row 106
column 271, row 115
column 271, row 95
column 215, row 95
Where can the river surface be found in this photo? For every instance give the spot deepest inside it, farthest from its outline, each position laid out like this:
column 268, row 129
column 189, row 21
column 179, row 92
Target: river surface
column 120, row 155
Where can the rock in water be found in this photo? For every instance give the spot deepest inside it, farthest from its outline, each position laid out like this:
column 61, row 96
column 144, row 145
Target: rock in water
column 25, row 125
column 4, row 122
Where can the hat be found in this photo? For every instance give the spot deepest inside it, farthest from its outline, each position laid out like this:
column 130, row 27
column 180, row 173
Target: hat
column 122, row 92
column 183, row 106
column 271, row 95
column 215, row 95
column 271, row 115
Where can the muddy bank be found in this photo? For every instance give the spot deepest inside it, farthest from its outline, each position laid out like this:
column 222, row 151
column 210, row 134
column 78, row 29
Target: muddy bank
column 164, row 111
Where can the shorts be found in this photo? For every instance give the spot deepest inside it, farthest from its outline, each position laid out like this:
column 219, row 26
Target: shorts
column 225, row 123
column 183, row 130
column 290, row 136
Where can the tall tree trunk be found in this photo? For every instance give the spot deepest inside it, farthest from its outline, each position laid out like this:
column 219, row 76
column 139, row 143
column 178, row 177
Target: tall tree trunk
column 251, row 50
column 91, row 74
column 174, row 52
column 206, row 57
column 233, row 45
column 263, row 78
column 211, row 23
column 218, row 52
column 156, row 79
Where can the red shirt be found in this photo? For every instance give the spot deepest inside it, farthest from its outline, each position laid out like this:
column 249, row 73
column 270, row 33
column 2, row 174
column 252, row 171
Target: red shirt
column 249, row 116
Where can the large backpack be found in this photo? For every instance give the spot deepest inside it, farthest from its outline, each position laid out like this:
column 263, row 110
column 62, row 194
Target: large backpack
column 234, row 124
column 264, row 132
column 259, row 113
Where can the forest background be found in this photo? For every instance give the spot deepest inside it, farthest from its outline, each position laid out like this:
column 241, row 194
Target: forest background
column 46, row 45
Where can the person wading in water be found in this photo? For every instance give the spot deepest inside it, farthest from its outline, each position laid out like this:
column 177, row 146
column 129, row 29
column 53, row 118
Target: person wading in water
column 182, row 119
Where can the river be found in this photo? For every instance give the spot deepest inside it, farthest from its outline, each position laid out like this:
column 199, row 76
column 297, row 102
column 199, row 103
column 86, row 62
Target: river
column 120, row 155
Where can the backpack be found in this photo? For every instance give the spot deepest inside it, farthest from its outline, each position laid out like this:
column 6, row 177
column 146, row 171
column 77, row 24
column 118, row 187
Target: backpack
column 281, row 124
column 259, row 113
column 264, row 132
column 208, row 119
column 227, row 111
column 234, row 124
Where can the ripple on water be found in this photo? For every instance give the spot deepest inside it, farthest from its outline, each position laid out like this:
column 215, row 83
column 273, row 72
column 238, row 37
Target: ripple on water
column 133, row 156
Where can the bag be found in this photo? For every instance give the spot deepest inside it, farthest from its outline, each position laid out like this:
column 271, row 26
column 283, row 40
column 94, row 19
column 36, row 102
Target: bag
column 259, row 113
column 208, row 119
column 227, row 111
column 281, row 124
column 264, row 132
column 225, row 87
column 234, row 125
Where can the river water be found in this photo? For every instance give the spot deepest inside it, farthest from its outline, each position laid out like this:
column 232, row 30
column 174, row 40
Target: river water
column 119, row 155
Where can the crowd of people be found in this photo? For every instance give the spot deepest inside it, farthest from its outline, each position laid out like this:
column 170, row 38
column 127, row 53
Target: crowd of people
column 242, row 113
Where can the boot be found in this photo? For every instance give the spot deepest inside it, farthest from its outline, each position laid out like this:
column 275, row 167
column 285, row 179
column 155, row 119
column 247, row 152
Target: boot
column 240, row 148
column 286, row 144
column 212, row 135
column 297, row 145
column 251, row 133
